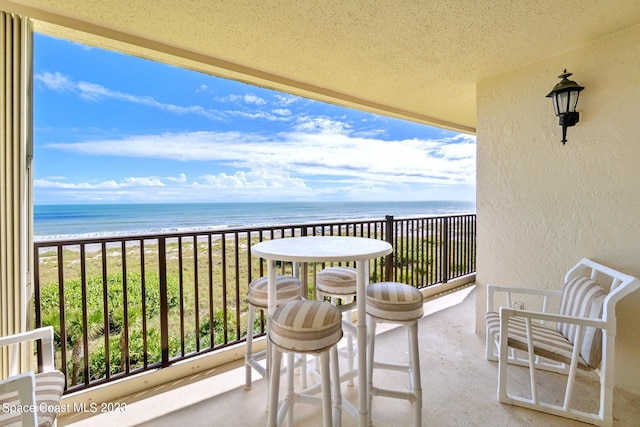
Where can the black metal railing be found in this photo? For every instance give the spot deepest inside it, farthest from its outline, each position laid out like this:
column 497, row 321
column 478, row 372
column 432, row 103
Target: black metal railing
column 124, row 305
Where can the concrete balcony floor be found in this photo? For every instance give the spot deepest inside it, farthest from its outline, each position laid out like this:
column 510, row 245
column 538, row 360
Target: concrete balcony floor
column 459, row 386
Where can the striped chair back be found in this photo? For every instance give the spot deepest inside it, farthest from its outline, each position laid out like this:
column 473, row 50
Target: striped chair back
column 582, row 297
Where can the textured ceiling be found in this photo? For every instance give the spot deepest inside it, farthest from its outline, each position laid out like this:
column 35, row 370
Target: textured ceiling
column 418, row 60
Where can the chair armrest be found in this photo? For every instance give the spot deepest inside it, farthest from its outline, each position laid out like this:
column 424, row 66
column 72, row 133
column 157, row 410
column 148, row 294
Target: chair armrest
column 25, row 387
column 44, row 334
column 509, row 290
column 505, row 313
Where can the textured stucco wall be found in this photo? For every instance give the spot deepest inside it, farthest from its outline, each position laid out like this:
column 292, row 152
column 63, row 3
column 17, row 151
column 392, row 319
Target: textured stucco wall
column 543, row 206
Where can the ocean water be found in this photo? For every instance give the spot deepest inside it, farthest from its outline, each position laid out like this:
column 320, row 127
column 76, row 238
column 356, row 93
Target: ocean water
column 70, row 221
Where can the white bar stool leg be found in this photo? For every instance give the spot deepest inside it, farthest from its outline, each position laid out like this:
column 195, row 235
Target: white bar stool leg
column 248, row 354
column 326, row 389
column 274, row 389
column 290, row 399
column 350, row 345
column 371, row 334
column 336, row 396
column 416, row 382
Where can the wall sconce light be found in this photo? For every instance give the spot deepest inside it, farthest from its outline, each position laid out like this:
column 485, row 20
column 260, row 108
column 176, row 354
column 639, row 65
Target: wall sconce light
column 565, row 99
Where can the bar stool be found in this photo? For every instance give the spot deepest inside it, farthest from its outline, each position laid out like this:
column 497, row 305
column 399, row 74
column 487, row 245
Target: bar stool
column 392, row 302
column 339, row 282
column 288, row 288
column 307, row 327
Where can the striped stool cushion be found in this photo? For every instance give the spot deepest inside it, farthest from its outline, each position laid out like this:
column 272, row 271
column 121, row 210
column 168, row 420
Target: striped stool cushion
column 547, row 341
column 394, row 301
column 337, row 280
column 49, row 388
column 306, row 326
column 582, row 297
column 288, row 288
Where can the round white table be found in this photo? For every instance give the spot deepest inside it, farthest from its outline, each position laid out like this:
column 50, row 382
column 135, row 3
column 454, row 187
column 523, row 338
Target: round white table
column 330, row 249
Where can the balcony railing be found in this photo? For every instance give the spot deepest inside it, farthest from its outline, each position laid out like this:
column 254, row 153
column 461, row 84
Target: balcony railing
column 124, row 305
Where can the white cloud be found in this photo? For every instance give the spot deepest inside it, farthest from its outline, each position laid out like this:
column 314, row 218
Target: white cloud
column 43, row 183
column 94, row 92
column 180, row 178
column 178, row 146
column 248, row 186
column 323, row 125
column 253, row 99
column 328, row 152
column 286, row 100
column 282, row 111
column 259, row 179
column 108, row 184
column 55, row 81
column 229, row 98
column 143, row 182
column 249, row 98
column 261, row 115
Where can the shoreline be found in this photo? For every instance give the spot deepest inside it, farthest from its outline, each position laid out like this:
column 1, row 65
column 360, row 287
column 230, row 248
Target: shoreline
column 42, row 240
column 152, row 240
column 66, row 222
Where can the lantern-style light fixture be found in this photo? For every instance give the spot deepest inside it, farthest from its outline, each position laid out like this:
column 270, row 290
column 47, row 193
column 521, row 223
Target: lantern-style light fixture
column 565, row 99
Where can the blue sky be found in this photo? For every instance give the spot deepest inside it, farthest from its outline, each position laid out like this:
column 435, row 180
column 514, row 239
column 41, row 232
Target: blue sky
column 112, row 128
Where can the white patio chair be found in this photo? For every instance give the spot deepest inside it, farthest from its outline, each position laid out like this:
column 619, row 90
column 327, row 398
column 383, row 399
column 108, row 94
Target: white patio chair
column 581, row 335
column 27, row 391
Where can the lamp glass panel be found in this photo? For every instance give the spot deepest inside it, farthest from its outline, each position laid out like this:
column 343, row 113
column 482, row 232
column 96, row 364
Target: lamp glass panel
column 555, row 103
column 573, row 102
column 563, row 102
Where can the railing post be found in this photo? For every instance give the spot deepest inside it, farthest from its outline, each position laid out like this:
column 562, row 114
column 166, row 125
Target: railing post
column 388, row 259
column 164, row 302
column 445, row 249
column 38, row 303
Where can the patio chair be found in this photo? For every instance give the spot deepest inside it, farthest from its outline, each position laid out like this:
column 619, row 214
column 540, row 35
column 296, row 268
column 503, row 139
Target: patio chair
column 401, row 304
column 288, row 288
column 339, row 283
column 27, row 391
column 581, row 335
column 306, row 327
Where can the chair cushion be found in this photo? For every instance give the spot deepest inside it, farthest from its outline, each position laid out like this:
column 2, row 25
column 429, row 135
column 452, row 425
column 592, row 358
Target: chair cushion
column 288, row 288
column 547, row 341
column 306, row 326
column 582, row 297
column 394, row 301
column 337, row 280
column 49, row 388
